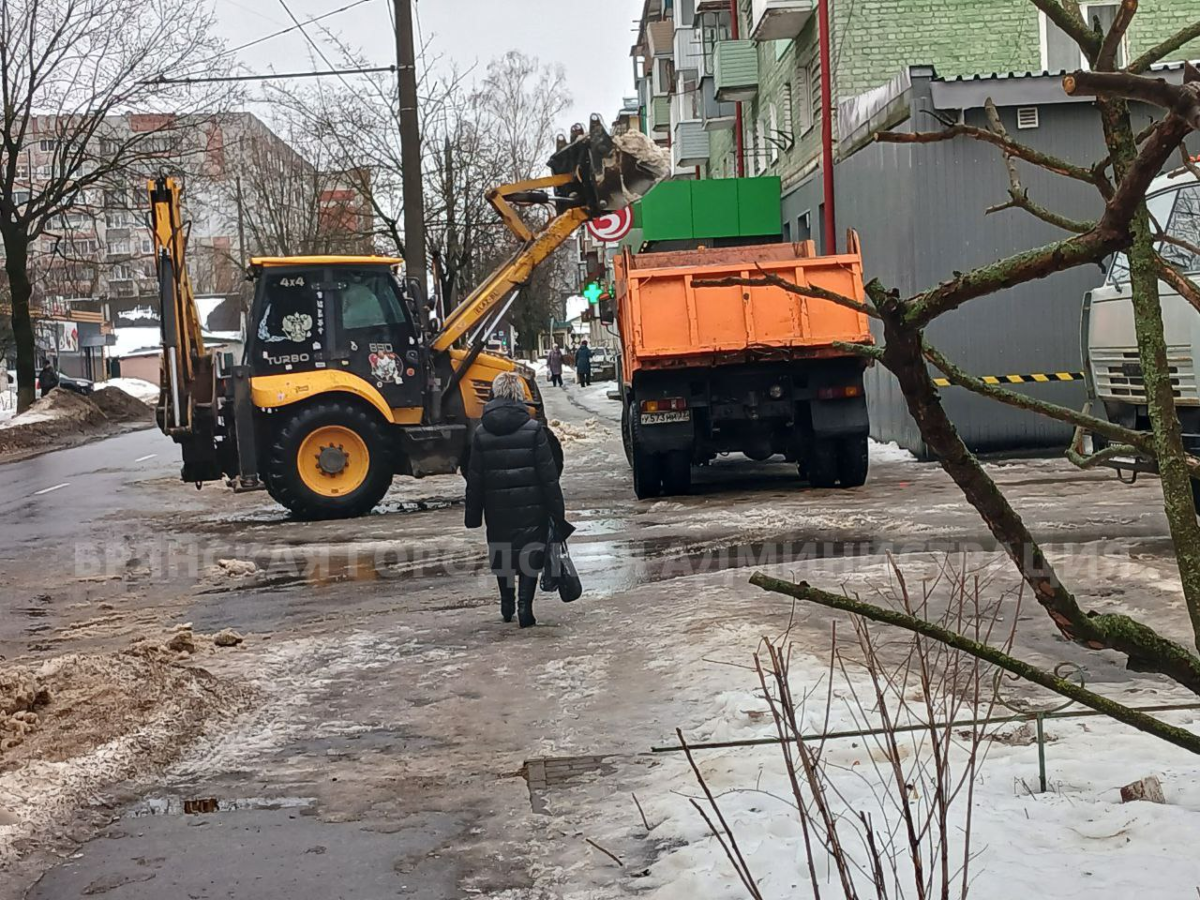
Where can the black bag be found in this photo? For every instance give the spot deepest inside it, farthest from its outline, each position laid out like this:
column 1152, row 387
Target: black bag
column 559, row 573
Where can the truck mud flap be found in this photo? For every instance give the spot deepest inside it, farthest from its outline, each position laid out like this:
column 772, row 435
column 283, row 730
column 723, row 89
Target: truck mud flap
column 432, row 449
column 836, row 418
column 663, row 437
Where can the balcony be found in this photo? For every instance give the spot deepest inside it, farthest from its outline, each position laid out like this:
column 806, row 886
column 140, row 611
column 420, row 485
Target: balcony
column 658, row 116
column 689, row 51
column 735, row 70
column 715, row 115
column 779, row 20
column 690, row 147
column 661, row 37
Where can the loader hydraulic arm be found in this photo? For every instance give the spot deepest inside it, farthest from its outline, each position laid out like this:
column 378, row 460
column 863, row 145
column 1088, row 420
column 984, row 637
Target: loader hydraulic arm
column 185, row 361
column 534, row 250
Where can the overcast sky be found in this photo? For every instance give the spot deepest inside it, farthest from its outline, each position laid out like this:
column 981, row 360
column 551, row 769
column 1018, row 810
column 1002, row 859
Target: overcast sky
column 591, row 38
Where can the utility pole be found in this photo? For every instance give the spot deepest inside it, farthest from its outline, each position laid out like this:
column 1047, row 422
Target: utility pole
column 410, row 147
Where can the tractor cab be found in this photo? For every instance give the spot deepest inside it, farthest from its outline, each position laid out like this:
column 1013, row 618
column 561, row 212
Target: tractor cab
column 337, row 314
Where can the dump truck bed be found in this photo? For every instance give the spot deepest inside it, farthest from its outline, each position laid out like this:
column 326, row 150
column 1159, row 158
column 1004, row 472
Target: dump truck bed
column 666, row 321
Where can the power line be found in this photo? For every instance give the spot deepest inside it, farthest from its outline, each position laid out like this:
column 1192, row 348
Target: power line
column 290, row 28
column 314, row 74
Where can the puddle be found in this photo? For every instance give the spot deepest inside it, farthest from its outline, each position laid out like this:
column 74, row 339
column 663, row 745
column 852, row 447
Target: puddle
column 178, row 806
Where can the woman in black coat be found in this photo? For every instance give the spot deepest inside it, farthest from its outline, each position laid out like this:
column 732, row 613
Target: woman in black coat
column 512, row 481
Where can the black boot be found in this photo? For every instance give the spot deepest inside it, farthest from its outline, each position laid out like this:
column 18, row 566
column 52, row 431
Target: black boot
column 525, row 613
column 508, row 606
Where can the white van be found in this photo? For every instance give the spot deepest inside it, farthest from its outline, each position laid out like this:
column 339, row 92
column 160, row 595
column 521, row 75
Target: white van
column 1111, row 359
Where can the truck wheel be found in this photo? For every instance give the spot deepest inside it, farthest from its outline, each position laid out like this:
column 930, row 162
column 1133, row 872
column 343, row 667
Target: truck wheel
column 626, row 438
column 647, row 467
column 329, row 460
column 823, row 464
column 853, row 461
column 677, row 473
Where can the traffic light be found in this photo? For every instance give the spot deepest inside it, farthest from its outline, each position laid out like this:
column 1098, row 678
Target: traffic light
column 593, row 292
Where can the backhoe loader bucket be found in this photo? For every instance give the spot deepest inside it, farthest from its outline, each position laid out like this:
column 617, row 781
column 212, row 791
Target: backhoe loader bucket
column 610, row 172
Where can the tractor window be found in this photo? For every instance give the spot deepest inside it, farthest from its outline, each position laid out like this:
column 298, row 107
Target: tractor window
column 367, row 300
column 290, row 311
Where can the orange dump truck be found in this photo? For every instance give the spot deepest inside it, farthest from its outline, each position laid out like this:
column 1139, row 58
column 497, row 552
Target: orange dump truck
column 752, row 370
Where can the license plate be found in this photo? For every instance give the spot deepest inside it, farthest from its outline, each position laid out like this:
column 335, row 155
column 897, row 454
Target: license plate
column 662, row 418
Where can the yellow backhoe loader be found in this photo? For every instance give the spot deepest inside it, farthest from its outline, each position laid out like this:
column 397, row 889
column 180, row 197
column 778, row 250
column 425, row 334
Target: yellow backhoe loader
column 343, row 384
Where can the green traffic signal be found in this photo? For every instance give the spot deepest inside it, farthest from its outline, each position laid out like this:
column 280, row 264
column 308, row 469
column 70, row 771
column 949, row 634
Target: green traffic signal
column 592, row 292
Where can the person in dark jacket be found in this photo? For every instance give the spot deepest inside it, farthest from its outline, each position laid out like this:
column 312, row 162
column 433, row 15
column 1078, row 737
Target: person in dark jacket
column 554, row 362
column 512, row 482
column 47, row 378
column 583, row 364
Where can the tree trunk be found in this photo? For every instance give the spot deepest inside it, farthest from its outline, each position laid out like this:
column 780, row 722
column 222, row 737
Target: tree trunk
column 16, row 265
column 1160, row 401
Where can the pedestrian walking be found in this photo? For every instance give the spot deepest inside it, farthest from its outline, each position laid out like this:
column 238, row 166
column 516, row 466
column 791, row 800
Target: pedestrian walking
column 512, row 484
column 47, row 378
column 583, row 364
column 554, row 361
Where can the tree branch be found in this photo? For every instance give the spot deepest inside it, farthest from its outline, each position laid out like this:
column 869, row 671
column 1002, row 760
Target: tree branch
column 811, row 291
column 1110, row 234
column 1143, row 441
column 1009, row 146
column 1172, row 734
column 1107, row 57
column 1181, row 100
column 1184, row 286
column 1018, row 195
column 1160, row 51
column 1069, row 17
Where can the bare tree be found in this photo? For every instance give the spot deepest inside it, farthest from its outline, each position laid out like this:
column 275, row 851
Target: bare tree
column 67, row 67
column 475, row 135
column 1121, row 179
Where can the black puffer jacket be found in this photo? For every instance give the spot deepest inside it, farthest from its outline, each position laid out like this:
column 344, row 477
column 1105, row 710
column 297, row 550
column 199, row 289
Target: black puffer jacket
column 512, row 481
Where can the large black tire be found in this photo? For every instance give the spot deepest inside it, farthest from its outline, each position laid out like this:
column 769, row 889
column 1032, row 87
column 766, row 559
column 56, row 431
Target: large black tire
column 1196, row 495
column 853, row 461
column 647, row 467
column 823, row 464
column 286, row 484
column 626, row 437
column 677, row 473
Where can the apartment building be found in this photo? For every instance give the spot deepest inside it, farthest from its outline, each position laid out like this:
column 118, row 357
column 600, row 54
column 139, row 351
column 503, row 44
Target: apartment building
column 733, row 87
column 246, row 192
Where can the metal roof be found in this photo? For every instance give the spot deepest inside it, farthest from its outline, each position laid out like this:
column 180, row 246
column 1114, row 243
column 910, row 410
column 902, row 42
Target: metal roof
column 1019, row 88
column 270, row 261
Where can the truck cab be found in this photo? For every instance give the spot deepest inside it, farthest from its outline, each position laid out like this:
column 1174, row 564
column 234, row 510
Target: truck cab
column 1110, row 340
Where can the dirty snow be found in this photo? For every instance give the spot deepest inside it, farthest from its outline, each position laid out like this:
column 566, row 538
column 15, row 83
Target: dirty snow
column 80, row 723
column 135, row 387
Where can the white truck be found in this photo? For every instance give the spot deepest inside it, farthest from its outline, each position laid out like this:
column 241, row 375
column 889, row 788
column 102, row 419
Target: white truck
column 1111, row 360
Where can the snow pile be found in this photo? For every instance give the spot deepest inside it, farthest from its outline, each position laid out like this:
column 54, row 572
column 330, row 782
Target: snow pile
column 889, row 453
column 144, row 390
column 92, row 720
column 64, row 416
column 570, row 433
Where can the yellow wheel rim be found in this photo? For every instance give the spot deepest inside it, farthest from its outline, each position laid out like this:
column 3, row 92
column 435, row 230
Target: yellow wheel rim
column 333, row 461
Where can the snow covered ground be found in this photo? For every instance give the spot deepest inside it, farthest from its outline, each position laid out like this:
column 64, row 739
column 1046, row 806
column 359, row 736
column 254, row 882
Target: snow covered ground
column 1077, row 840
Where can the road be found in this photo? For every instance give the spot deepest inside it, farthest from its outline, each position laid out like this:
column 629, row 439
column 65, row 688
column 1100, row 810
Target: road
column 380, row 732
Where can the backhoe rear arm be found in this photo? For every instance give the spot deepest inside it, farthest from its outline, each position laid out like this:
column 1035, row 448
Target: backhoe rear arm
column 183, row 344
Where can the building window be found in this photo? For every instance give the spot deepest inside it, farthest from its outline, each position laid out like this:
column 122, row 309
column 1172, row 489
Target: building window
column 785, row 113
column 1060, row 53
column 47, row 146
